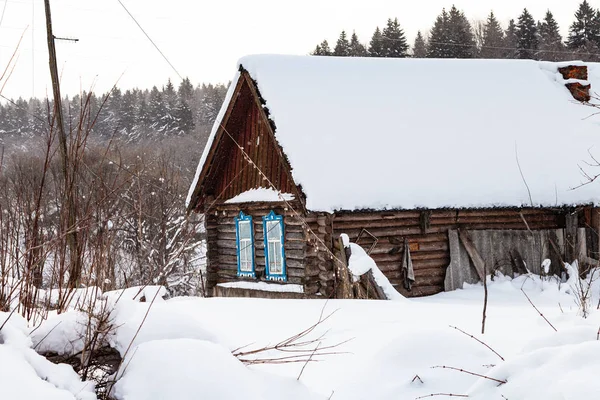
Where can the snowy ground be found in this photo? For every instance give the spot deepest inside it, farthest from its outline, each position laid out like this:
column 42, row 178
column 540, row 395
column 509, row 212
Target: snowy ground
column 183, row 348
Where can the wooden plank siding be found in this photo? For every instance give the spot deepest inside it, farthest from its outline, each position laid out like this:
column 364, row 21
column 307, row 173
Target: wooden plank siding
column 428, row 239
column 231, row 173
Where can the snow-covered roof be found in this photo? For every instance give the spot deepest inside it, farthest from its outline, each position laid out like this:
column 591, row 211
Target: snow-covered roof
column 260, row 194
column 373, row 133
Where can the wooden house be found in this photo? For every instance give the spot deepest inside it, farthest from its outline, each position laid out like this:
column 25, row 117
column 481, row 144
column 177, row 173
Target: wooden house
column 454, row 163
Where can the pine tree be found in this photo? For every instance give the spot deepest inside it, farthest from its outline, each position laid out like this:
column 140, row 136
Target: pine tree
column 186, row 90
column 156, row 110
column 185, row 118
column 322, row 49
column 420, row 47
column 493, row 39
column 527, row 36
column 128, row 113
column 510, row 40
column 393, row 40
column 460, row 35
column 342, row 47
column 169, row 120
column 439, row 38
column 357, row 49
column 551, row 46
column 376, row 45
column 585, row 29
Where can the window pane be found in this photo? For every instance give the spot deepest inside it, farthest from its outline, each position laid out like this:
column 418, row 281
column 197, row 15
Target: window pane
column 273, row 230
column 275, row 264
column 244, row 229
column 245, row 254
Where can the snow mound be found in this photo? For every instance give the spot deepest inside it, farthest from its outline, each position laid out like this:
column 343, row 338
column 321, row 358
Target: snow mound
column 26, row 375
column 556, row 372
column 157, row 321
column 203, row 370
column 360, row 263
column 138, row 293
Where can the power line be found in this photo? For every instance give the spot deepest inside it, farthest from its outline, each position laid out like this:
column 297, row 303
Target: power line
column 150, row 39
column 3, row 10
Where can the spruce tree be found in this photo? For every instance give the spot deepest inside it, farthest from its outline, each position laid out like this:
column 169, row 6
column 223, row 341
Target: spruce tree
column 493, row 38
column 376, row 44
column 460, row 35
column 357, row 49
column 527, row 36
column 551, row 46
column 420, row 47
column 322, row 49
column 186, row 90
column 393, row 40
column 510, row 40
column 156, row 109
column 185, row 118
column 439, row 38
column 342, row 47
column 586, row 28
column 128, row 113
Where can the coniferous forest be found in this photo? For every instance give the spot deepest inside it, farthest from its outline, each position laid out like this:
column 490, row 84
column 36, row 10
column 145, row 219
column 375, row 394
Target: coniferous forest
column 131, row 115
column 452, row 35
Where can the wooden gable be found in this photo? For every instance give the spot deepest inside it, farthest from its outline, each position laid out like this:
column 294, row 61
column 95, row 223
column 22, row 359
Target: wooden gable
column 244, row 154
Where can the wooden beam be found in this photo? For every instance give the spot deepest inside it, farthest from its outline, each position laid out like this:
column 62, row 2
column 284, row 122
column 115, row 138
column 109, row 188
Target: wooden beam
column 473, row 253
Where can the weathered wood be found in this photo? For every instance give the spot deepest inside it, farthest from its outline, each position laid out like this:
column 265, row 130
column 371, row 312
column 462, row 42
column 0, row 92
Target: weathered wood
column 571, row 247
column 342, row 274
column 473, row 253
column 373, row 289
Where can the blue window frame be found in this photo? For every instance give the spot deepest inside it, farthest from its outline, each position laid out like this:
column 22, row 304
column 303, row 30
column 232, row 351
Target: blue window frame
column 244, row 235
column 274, row 250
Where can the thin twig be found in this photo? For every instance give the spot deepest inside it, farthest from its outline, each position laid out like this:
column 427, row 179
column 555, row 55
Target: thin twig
column 483, row 343
column 308, row 360
column 523, row 176
column 470, row 373
column 442, row 394
column 539, row 312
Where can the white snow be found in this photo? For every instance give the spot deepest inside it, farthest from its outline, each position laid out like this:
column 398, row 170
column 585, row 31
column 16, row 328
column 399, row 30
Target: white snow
column 190, row 369
column 260, row 194
column 183, row 349
column 264, row 286
column 26, row 375
column 427, row 133
column 360, row 263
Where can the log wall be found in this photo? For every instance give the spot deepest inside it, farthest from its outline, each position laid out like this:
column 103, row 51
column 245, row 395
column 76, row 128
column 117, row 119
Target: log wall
column 305, row 264
column 427, row 234
column 309, row 240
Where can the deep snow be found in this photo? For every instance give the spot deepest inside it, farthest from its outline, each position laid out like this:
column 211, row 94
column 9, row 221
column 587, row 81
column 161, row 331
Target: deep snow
column 184, row 348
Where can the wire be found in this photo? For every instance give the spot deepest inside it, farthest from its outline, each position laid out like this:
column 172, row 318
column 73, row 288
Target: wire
column 3, row 10
column 150, row 39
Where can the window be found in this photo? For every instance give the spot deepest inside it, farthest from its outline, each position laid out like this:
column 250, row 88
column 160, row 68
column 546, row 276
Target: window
column 274, row 251
column 244, row 235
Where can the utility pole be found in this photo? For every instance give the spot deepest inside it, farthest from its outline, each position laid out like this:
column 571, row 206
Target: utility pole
column 68, row 221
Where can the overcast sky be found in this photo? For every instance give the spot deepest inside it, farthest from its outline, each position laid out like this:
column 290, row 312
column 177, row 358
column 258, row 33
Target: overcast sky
column 204, row 39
